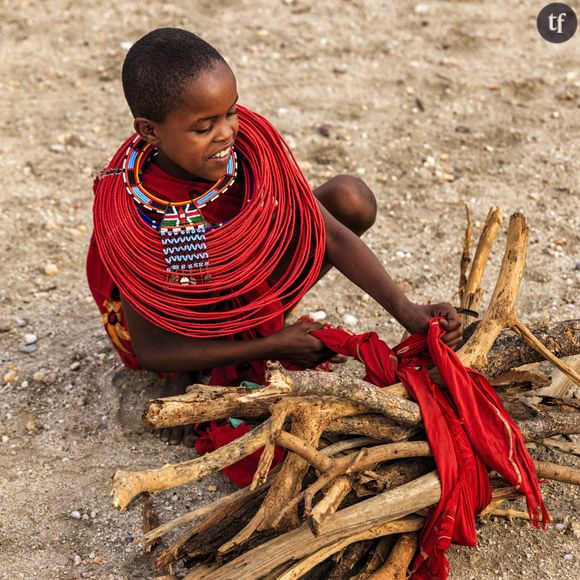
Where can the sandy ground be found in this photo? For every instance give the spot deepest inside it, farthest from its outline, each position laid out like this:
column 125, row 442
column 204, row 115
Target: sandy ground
column 433, row 104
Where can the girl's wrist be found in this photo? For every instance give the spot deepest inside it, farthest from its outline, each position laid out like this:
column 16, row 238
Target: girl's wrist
column 404, row 311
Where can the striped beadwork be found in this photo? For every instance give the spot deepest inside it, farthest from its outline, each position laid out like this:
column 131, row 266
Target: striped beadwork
column 180, row 224
column 139, row 153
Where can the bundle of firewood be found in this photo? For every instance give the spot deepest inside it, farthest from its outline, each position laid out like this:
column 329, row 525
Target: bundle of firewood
column 358, row 480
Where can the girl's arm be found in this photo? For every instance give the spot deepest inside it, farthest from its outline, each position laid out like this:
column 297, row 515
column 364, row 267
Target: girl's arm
column 349, row 254
column 159, row 350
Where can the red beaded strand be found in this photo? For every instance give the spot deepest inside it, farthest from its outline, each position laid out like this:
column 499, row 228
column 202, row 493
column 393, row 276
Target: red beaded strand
column 243, row 252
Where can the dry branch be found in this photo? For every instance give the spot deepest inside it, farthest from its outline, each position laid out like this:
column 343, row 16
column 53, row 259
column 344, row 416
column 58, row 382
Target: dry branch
column 555, row 472
column 228, row 502
column 351, row 556
column 349, row 523
column 150, row 522
column 371, row 425
column 328, row 505
column 465, row 256
column 550, row 424
column 563, row 446
column 509, row 350
column 127, row 485
column 395, row 568
column 502, row 306
column 473, row 292
column 378, row 557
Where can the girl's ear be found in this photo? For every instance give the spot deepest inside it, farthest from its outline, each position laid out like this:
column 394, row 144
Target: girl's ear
column 147, row 129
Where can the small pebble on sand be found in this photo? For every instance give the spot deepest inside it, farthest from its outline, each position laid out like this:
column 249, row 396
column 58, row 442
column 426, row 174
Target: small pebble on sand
column 10, row 376
column 31, row 426
column 38, row 376
column 349, row 319
column 81, row 401
column 77, row 560
column 318, row 315
column 29, row 348
column 5, row 438
column 30, row 338
column 76, row 515
column 51, row 269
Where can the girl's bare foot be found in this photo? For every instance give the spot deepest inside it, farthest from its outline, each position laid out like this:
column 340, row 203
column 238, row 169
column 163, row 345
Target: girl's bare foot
column 176, row 386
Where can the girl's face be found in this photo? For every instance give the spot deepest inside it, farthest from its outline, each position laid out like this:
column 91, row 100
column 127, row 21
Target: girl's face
column 195, row 140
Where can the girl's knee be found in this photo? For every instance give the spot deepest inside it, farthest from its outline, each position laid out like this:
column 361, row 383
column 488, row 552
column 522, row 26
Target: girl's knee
column 350, row 200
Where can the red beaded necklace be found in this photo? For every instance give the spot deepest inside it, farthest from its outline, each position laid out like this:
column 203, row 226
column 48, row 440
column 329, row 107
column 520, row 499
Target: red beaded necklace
column 242, row 253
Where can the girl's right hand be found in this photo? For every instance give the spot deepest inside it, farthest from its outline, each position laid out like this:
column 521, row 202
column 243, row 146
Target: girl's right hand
column 295, row 344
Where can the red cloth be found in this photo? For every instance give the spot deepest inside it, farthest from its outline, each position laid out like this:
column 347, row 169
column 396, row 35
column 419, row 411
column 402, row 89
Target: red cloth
column 468, row 430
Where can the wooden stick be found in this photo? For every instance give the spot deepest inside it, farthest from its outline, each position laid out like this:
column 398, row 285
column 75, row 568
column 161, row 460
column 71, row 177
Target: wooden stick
column 502, row 306
column 228, row 501
column 279, row 413
column 207, row 403
column 547, row 470
column 525, row 333
column 127, row 485
column 203, row 539
column 372, row 425
column 549, row 424
column 346, row 523
column 561, row 383
column 465, row 256
column 328, row 505
column 563, row 446
column 473, row 291
column 510, row 351
column 378, row 557
column 309, row 562
column 350, row 557
column 395, row 568
column 394, row 474
column 150, row 522
column 352, row 462
column 373, row 398
column 177, row 549
column 508, row 513
column 348, row 444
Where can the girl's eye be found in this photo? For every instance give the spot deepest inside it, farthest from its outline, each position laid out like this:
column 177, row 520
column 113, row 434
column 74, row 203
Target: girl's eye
column 206, row 130
column 232, row 113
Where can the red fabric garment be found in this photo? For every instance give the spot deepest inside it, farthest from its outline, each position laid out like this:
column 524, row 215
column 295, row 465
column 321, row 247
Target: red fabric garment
column 468, row 430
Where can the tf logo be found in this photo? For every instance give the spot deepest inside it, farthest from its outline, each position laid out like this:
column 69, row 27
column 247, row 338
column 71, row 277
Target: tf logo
column 557, row 23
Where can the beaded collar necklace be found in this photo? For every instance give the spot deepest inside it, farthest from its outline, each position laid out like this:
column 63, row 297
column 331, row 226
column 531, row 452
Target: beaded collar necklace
column 180, row 224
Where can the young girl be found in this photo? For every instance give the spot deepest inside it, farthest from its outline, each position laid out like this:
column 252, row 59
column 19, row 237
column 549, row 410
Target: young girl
column 206, row 232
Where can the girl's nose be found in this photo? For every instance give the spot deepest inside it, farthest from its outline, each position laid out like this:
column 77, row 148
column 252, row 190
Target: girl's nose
column 224, row 131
